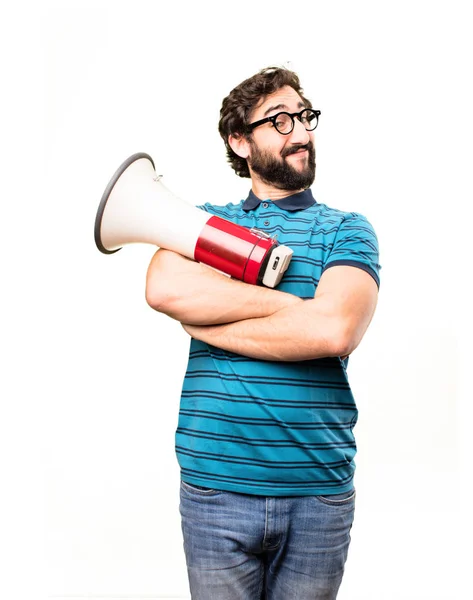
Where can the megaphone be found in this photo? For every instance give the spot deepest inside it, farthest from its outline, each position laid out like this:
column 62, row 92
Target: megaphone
column 137, row 207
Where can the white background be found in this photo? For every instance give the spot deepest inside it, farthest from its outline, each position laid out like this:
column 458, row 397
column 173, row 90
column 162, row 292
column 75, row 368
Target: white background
column 92, row 375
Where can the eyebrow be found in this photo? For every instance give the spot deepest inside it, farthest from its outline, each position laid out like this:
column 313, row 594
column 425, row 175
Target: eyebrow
column 280, row 106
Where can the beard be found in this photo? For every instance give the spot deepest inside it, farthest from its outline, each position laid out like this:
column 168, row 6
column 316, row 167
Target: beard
column 278, row 172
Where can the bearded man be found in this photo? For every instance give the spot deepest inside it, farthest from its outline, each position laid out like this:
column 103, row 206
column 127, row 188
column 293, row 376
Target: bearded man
column 265, row 437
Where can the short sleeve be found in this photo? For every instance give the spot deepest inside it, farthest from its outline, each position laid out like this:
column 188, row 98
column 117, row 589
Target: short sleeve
column 356, row 245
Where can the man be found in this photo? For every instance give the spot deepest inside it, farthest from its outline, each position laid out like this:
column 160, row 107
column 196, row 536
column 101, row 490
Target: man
column 265, row 440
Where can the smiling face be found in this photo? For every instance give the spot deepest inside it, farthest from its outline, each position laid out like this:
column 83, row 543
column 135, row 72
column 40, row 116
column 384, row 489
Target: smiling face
column 278, row 163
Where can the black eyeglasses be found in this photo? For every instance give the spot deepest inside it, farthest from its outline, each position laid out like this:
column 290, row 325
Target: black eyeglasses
column 284, row 121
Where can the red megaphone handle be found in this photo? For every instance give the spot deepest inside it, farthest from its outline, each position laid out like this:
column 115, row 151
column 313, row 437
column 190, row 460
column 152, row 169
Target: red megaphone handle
column 233, row 249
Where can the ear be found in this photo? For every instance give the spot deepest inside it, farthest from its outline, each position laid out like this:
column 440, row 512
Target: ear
column 240, row 145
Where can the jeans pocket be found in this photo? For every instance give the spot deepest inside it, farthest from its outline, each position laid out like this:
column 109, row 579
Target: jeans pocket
column 198, row 489
column 338, row 499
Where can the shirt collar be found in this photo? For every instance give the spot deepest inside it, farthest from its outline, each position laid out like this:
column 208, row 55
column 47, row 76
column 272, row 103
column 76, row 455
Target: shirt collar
column 298, row 201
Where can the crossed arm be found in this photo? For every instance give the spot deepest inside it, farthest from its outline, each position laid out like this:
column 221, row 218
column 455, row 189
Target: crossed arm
column 260, row 322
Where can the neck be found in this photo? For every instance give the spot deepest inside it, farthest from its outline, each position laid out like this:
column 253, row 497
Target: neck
column 265, row 191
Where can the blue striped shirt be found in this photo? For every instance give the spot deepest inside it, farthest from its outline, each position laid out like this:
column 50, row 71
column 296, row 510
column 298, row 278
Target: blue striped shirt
column 277, row 428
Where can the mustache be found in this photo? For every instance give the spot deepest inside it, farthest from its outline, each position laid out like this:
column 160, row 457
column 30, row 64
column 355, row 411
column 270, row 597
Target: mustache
column 293, row 149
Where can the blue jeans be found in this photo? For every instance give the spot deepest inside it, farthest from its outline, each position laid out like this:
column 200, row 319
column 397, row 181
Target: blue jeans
column 241, row 547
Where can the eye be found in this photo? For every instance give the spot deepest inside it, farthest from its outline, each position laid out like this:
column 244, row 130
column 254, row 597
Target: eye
column 307, row 116
column 282, row 122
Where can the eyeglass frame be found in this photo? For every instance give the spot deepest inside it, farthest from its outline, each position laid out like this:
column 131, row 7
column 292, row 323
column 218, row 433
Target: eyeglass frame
column 251, row 126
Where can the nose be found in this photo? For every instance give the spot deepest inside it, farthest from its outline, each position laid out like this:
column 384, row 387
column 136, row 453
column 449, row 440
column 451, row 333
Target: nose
column 299, row 135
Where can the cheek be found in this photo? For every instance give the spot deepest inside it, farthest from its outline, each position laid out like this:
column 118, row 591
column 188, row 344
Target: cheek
column 270, row 141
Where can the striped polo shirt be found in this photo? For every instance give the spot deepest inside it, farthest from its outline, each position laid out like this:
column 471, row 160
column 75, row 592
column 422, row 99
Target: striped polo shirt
column 277, row 428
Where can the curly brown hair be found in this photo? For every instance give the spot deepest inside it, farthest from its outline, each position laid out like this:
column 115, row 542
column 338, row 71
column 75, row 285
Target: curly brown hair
column 238, row 105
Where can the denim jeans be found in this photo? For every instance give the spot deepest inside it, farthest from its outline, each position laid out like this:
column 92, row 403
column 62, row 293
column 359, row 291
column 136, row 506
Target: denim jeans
column 241, row 547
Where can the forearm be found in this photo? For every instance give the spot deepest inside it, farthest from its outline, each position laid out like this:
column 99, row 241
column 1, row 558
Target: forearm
column 195, row 294
column 286, row 335
column 331, row 324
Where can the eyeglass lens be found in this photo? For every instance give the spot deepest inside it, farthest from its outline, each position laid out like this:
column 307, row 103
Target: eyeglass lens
column 284, row 123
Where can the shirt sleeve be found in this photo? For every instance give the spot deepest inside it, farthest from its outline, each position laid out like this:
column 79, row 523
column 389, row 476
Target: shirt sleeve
column 356, row 245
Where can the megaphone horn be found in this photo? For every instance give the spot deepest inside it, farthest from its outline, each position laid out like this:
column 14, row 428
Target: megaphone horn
column 137, row 207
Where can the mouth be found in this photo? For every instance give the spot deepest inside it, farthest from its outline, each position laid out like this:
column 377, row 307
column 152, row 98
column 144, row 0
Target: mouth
column 302, row 153
column 299, row 152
